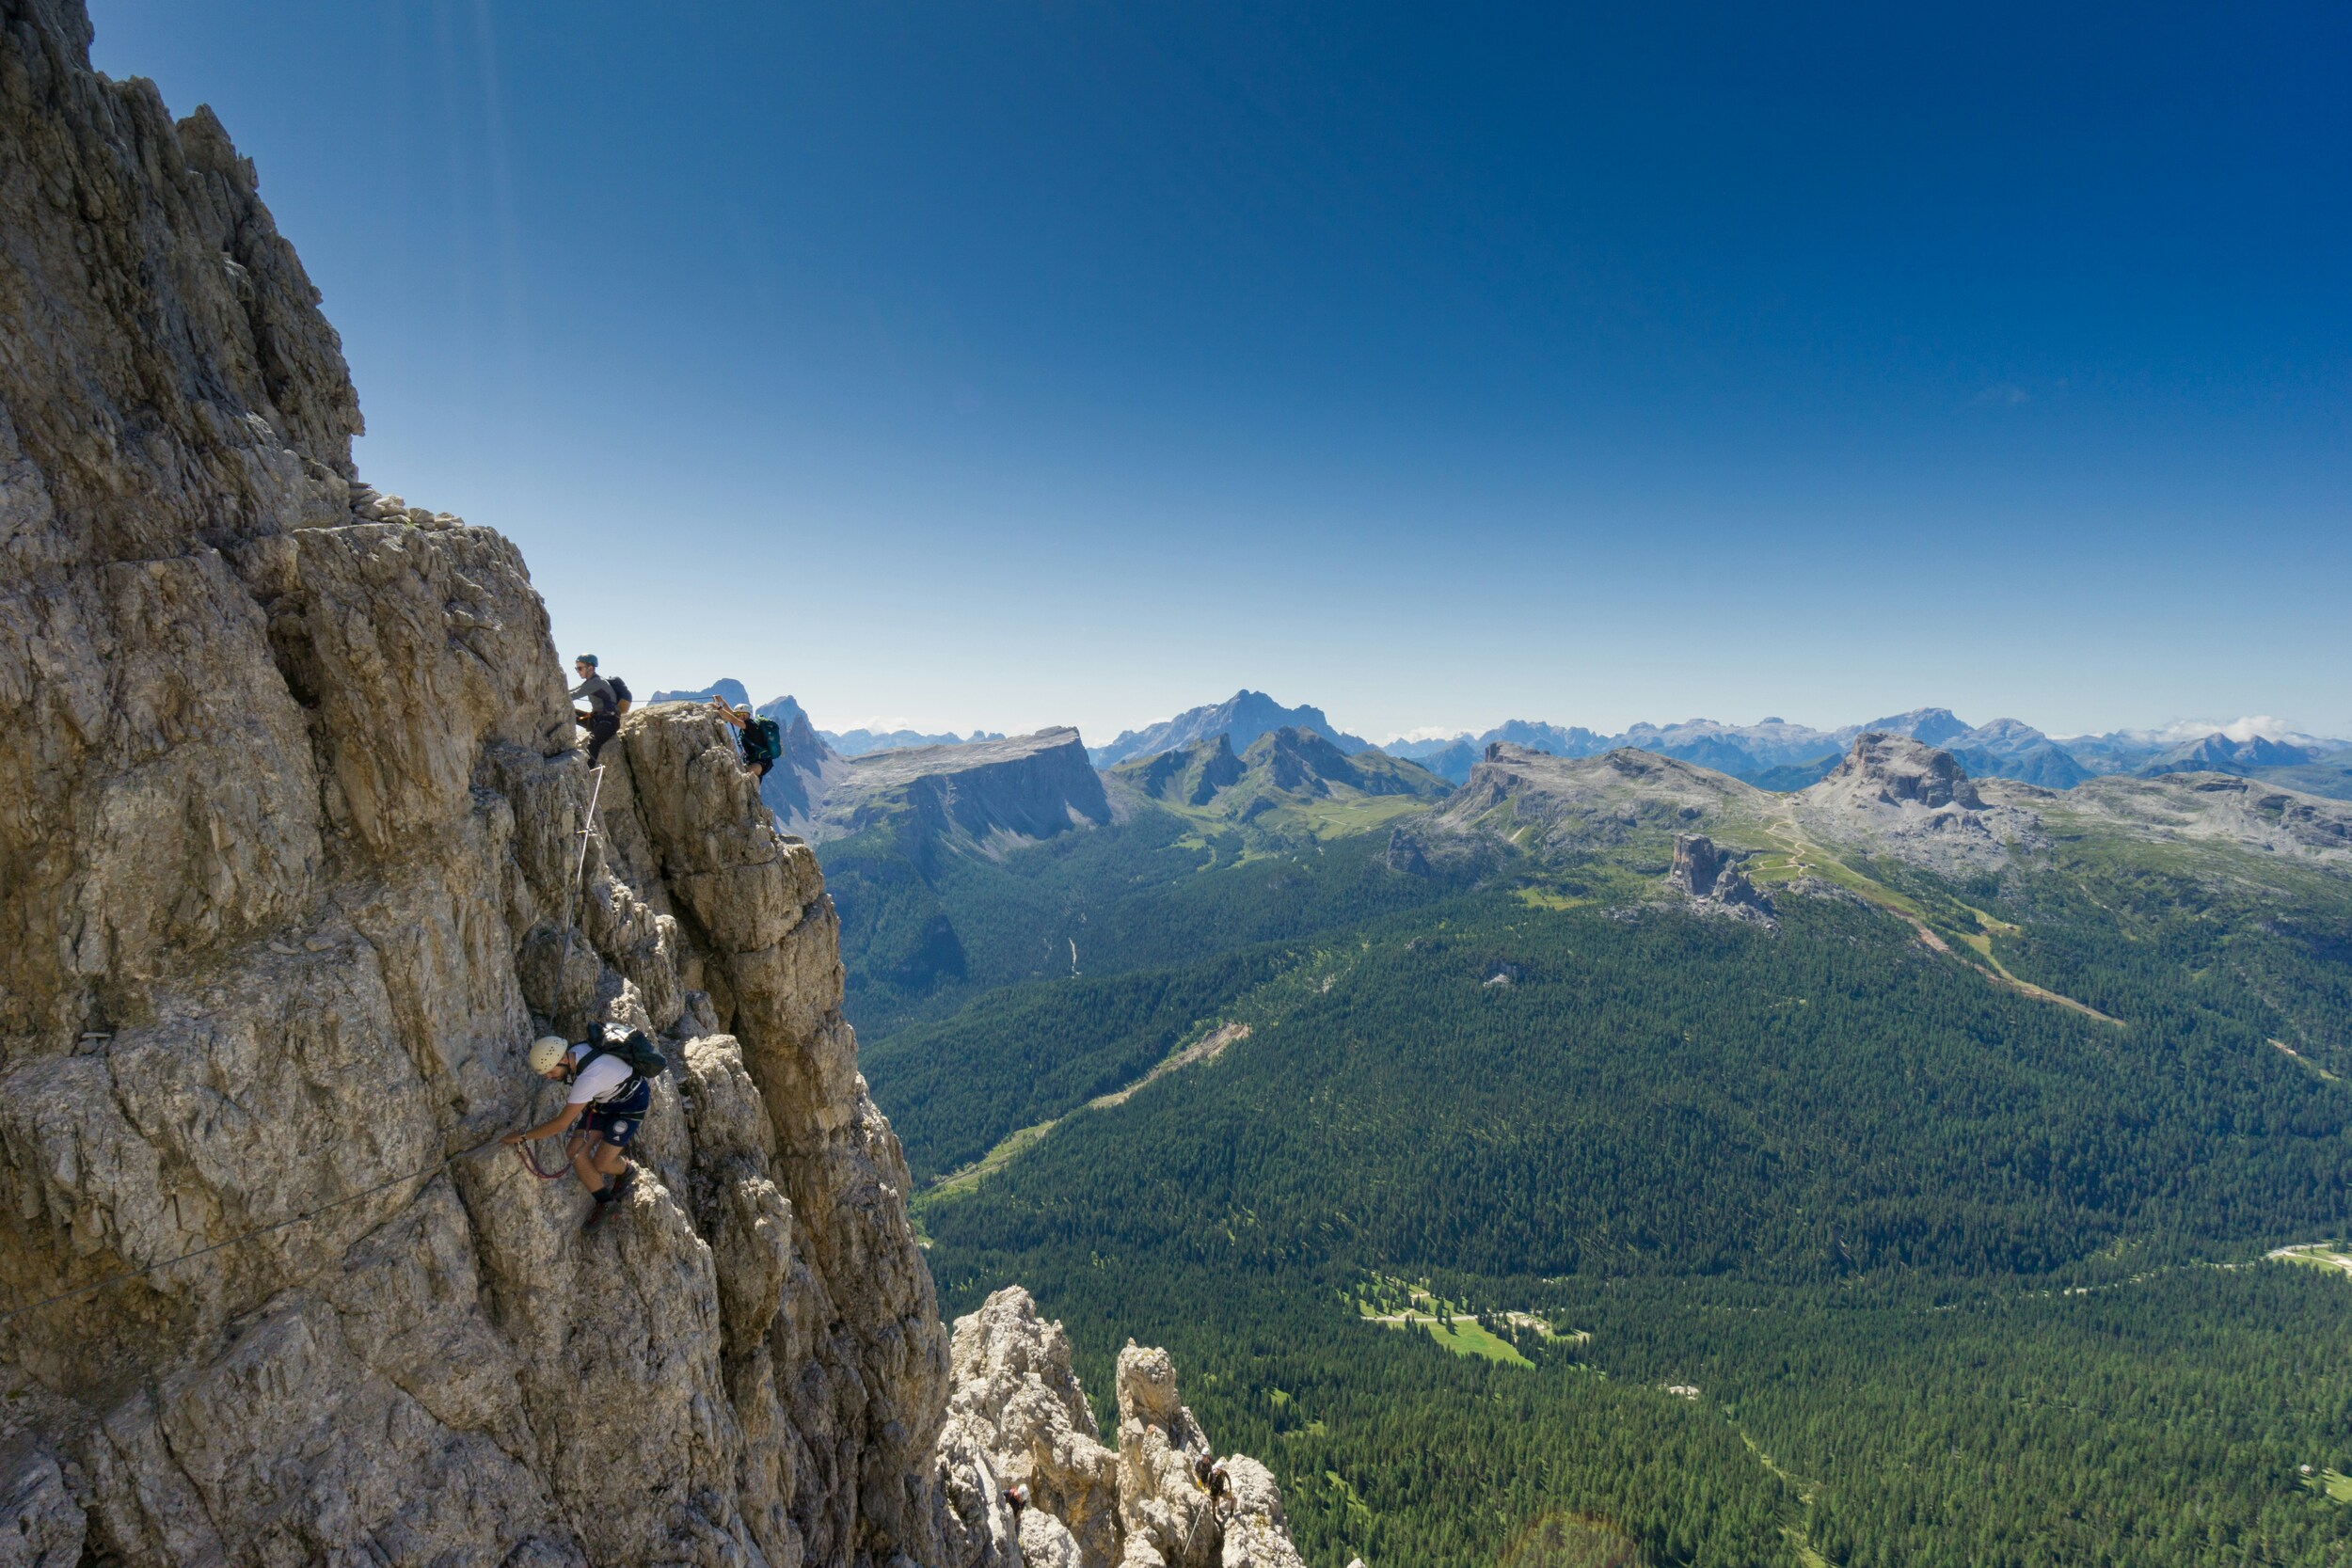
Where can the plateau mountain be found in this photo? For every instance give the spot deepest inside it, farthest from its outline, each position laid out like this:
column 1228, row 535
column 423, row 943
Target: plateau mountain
column 986, row 794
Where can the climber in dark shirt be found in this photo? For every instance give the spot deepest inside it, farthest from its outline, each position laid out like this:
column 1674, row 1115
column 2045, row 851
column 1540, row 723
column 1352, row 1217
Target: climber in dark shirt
column 1209, row 1472
column 602, row 717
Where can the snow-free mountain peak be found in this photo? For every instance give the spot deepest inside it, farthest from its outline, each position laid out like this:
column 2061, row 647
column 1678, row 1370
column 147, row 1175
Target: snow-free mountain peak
column 1241, row 718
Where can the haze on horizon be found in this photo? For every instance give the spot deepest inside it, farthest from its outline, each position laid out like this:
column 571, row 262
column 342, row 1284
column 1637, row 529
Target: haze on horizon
column 997, row 366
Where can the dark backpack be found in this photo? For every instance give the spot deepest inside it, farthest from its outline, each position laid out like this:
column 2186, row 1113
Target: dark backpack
column 621, row 699
column 644, row 1058
column 762, row 741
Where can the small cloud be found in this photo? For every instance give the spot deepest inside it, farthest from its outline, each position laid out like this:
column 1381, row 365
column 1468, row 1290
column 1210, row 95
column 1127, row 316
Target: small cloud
column 2247, row 728
column 2008, row 394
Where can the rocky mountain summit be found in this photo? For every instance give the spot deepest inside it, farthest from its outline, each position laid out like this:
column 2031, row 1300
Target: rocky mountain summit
column 1893, row 794
column 299, row 854
column 1286, row 765
column 1241, row 718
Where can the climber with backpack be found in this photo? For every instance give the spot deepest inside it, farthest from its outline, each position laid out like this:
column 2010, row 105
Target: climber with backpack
column 1209, row 1472
column 763, row 742
column 607, row 699
column 612, row 1089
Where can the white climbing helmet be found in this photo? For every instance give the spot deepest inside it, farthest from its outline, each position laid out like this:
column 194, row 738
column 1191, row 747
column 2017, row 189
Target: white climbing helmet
column 546, row 1052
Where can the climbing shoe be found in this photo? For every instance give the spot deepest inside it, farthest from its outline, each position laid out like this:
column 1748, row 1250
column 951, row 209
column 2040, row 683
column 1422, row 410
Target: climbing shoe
column 613, row 1191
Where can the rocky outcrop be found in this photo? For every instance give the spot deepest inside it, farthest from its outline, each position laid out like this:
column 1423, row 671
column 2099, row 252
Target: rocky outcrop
column 991, row 794
column 1017, row 1395
column 1897, row 796
column 1712, row 878
column 1142, row 1505
column 1894, row 770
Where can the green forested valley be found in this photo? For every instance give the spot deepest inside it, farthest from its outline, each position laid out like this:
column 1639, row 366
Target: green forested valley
column 1528, row 1214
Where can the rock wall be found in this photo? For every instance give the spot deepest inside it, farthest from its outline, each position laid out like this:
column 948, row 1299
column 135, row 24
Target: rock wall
column 298, row 854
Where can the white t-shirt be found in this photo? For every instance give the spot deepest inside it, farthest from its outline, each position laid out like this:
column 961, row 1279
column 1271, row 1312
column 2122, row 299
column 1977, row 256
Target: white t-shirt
column 598, row 1078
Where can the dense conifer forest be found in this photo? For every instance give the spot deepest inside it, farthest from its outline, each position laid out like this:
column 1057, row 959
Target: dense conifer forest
column 1698, row 1241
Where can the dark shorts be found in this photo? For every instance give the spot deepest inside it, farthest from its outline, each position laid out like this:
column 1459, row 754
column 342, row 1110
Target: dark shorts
column 601, row 727
column 617, row 1120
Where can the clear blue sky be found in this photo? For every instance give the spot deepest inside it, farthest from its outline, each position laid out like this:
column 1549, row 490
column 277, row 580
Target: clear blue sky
column 1002, row 364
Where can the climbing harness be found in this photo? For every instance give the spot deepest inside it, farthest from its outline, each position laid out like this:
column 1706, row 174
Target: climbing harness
column 306, row 1214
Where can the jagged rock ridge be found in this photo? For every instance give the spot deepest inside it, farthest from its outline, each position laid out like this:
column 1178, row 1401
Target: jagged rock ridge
column 1138, row 1505
column 294, row 849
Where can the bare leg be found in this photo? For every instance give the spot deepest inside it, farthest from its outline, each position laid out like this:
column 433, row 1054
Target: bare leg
column 611, row 1161
column 587, row 1155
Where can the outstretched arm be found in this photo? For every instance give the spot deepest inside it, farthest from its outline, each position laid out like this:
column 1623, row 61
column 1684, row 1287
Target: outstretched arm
column 727, row 711
column 561, row 1121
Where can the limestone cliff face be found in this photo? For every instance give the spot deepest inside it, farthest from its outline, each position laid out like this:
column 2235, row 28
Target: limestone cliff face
column 296, row 855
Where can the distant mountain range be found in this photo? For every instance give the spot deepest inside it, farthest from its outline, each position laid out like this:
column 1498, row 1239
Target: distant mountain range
column 857, row 743
column 1240, row 758
column 1776, row 754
